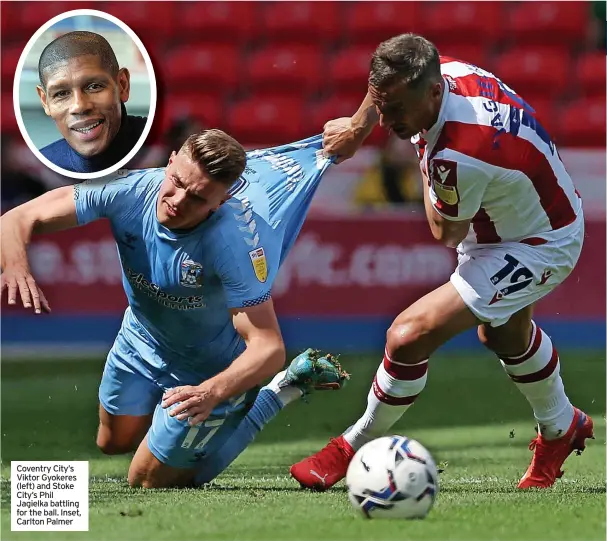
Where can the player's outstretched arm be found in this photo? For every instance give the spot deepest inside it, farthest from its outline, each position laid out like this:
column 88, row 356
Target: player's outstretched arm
column 265, row 356
column 52, row 211
column 342, row 137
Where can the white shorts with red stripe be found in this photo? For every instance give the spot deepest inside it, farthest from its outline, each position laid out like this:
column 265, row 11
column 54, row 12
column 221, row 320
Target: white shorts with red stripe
column 497, row 281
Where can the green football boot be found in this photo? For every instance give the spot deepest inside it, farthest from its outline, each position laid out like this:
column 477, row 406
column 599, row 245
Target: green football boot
column 311, row 370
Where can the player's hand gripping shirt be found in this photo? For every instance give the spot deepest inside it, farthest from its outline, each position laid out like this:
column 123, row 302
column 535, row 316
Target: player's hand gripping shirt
column 180, row 285
column 489, row 159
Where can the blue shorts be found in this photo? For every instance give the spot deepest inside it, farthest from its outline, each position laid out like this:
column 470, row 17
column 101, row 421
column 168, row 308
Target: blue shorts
column 134, row 380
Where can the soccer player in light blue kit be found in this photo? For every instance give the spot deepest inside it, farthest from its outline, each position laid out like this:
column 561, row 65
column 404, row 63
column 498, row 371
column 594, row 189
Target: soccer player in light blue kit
column 200, row 243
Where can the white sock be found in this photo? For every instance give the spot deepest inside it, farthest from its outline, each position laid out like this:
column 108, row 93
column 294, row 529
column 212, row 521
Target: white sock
column 394, row 389
column 537, row 375
column 286, row 394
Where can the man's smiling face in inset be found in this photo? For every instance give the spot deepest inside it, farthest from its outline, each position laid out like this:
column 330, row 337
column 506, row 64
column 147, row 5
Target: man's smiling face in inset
column 84, row 99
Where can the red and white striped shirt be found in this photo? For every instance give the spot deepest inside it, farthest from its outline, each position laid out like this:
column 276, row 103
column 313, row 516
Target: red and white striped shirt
column 488, row 159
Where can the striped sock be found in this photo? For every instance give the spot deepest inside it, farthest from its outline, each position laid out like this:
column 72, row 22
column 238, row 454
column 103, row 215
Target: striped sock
column 395, row 387
column 537, row 375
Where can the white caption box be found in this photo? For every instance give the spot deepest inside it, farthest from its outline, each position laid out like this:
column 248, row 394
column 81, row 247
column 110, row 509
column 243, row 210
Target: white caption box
column 49, row 495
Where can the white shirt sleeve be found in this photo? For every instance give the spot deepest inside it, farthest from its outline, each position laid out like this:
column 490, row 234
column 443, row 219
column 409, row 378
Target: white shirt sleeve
column 456, row 185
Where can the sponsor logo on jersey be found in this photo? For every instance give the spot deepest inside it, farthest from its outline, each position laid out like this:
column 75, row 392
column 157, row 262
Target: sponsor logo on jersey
column 260, row 264
column 444, row 180
column 191, row 274
column 175, row 302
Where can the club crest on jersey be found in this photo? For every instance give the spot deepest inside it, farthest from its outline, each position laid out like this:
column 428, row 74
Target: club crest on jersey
column 260, row 264
column 191, row 274
column 444, row 180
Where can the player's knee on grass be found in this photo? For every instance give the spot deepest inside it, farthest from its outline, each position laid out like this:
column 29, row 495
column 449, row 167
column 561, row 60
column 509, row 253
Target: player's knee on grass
column 176, row 444
column 149, row 482
column 146, row 471
column 173, row 451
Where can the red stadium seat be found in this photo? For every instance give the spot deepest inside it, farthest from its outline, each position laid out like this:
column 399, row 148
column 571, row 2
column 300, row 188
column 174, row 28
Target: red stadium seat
column 590, row 74
column 151, row 21
column 582, row 124
column 373, row 22
column 350, row 69
column 559, row 23
column 300, row 22
column 336, row 106
column 530, row 71
column 216, row 67
column 462, row 22
column 29, row 16
column 262, row 122
column 226, row 22
column 288, row 67
column 206, row 109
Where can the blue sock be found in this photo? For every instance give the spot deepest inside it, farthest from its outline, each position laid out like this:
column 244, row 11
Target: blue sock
column 265, row 408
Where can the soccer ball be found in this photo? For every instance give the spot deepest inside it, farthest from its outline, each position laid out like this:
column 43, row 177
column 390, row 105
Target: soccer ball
column 392, row 477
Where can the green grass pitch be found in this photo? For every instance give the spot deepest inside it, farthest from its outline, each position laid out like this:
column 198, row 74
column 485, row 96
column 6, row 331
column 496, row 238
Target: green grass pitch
column 471, row 417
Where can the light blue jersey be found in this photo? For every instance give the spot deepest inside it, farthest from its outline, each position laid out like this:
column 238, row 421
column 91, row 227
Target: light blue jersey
column 180, row 286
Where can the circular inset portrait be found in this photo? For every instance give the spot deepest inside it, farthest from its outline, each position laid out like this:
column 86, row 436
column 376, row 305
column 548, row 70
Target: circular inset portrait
column 84, row 94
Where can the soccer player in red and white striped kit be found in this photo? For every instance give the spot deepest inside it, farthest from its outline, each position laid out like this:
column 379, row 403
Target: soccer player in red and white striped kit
column 495, row 189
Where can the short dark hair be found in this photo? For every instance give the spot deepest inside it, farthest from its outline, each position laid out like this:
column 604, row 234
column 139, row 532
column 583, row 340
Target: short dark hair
column 74, row 44
column 218, row 154
column 407, row 58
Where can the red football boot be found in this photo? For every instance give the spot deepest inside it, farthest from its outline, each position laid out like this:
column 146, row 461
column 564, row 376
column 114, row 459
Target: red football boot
column 549, row 455
column 325, row 468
